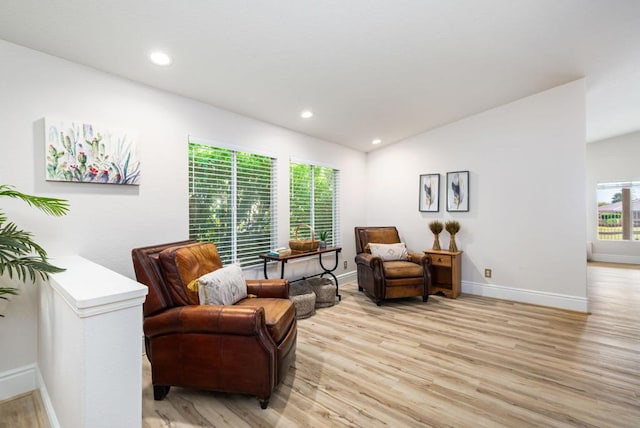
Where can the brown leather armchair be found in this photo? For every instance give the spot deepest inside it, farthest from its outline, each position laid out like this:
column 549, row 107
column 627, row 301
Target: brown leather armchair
column 383, row 280
column 242, row 348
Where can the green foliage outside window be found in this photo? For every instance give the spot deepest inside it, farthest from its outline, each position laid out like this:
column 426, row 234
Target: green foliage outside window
column 312, row 200
column 230, row 202
column 618, row 211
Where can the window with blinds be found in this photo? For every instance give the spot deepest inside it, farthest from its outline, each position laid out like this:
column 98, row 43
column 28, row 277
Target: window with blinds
column 232, row 202
column 313, row 200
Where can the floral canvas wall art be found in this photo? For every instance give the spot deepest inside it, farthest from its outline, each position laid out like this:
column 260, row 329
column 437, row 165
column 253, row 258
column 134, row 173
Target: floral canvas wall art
column 87, row 153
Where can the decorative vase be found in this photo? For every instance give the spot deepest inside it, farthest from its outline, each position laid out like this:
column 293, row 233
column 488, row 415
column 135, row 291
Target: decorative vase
column 436, row 227
column 453, row 227
column 452, row 243
column 436, row 241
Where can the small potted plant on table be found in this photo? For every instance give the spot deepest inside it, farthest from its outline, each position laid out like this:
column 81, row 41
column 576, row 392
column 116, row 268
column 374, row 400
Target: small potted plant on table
column 323, row 239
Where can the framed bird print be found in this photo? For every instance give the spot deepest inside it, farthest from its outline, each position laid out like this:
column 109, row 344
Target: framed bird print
column 458, row 191
column 429, row 193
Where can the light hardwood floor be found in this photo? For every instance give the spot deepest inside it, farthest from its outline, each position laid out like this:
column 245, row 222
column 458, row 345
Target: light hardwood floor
column 473, row 362
column 470, row 362
column 23, row 411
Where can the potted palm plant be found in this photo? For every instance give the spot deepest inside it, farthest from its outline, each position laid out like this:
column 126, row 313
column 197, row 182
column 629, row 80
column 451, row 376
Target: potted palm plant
column 20, row 255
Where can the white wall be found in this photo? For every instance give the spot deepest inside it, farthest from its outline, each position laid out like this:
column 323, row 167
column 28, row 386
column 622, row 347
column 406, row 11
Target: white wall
column 527, row 172
column 613, row 159
column 89, row 343
column 107, row 221
column 525, row 158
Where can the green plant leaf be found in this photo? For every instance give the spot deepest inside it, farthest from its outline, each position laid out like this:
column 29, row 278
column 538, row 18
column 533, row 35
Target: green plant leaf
column 51, row 206
column 20, row 255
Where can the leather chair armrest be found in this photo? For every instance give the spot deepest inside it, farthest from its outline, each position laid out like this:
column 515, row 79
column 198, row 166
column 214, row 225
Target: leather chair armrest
column 419, row 258
column 374, row 262
column 213, row 319
column 275, row 288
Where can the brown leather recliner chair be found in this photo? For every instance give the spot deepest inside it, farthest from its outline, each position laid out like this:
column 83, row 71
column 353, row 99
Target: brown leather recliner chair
column 383, row 280
column 242, row 348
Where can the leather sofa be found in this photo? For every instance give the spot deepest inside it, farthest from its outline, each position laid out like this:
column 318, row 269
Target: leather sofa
column 242, row 348
column 382, row 280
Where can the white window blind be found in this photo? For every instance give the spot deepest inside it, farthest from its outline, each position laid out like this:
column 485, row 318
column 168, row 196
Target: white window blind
column 313, row 200
column 232, row 202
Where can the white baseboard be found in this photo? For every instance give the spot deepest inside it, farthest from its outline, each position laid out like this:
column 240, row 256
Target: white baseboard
column 562, row 301
column 18, row 381
column 23, row 380
column 46, row 402
column 615, row 258
column 347, row 277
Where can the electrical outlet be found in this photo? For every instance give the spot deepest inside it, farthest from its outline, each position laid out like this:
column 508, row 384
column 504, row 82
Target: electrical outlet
column 487, row 273
column 345, row 264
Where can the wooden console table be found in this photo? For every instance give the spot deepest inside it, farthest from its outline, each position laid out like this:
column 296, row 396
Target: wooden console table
column 284, row 259
column 445, row 272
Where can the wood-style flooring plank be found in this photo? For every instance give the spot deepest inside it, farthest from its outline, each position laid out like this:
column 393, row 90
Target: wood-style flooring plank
column 23, row 411
column 468, row 362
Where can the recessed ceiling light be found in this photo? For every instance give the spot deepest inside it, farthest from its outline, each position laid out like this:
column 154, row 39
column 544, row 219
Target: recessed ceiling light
column 306, row 114
column 160, row 58
column 376, row 141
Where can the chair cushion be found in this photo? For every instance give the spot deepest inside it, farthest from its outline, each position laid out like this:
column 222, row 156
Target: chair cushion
column 402, row 269
column 183, row 264
column 389, row 252
column 224, row 286
column 279, row 314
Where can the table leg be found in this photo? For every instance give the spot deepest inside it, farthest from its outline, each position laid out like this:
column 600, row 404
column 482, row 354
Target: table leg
column 264, row 269
column 330, row 272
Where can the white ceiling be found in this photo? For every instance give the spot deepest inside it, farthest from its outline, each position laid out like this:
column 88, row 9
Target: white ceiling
column 385, row 69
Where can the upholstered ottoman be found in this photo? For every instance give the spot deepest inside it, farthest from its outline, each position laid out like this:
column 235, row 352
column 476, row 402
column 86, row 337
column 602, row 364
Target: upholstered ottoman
column 325, row 291
column 304, row 299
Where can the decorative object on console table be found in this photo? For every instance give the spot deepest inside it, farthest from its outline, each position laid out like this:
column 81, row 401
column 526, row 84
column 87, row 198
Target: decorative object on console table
column 436, row 228
column 458, row 191
column 453, row 227
column 280, row 252
column 323, row 239
column 300, row 246
column 429, row 193
column 445, row 272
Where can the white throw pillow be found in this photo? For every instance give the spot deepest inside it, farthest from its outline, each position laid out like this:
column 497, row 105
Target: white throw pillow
column 389, row 252
column 224, row 286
